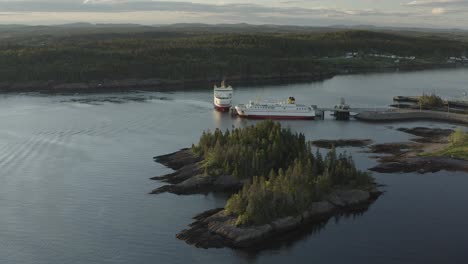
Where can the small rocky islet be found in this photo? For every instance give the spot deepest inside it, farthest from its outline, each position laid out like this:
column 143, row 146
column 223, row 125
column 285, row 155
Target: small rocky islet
column 405, row 157
column 336, row 143
column 277, row 184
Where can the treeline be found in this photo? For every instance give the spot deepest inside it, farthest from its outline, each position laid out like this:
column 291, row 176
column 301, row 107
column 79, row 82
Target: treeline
column 286, row 177
column 291, row 192
column 205, row 56
column 250, row 151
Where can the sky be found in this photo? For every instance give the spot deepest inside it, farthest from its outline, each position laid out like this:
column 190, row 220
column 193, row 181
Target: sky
column 398, row 13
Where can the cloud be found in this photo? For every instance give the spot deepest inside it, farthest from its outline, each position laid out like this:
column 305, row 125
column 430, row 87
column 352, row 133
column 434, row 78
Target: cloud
column 135, row 6
column 440, row 7
column 289, row 12
column 437, row 3
column 438, row 11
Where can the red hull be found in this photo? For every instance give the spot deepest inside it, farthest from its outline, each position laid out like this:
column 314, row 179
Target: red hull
column 280, row 117
column 222, row 108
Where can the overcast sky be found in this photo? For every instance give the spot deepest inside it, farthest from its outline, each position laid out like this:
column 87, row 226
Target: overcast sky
column 420, row 13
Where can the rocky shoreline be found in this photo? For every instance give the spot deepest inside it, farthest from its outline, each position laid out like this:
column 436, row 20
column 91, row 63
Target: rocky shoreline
column 215, row 229
column 405, row 157
column 188, row 177
column 329, row 143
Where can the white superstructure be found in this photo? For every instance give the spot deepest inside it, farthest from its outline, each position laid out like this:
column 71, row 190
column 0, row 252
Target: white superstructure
column 276, row 110
column 222, row 97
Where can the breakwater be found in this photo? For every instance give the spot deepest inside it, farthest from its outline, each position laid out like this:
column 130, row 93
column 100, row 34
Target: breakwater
column 408, row 115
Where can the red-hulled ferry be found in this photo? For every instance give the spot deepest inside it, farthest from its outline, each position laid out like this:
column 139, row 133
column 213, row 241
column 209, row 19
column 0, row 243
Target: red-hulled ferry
column 276, row 110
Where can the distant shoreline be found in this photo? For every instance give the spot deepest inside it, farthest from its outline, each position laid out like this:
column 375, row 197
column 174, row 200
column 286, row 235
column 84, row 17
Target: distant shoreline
column 162, row 85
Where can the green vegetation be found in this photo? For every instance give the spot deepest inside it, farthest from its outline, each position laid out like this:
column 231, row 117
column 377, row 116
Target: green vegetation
column 457, row 148
column 291, row 192
column 175, row 54
column 458, row 138
column 254, row 150
column 286, row 177
column 430, row 101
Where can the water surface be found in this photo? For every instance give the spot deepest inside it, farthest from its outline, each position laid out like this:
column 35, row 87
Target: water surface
column 74, row 178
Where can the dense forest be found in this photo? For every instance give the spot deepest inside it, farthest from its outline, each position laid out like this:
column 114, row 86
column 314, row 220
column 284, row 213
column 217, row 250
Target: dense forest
column 254, row 150
column 285, row 176
column 140, row 53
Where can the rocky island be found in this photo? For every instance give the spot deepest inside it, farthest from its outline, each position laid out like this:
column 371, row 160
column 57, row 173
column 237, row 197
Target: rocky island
column 277, row 184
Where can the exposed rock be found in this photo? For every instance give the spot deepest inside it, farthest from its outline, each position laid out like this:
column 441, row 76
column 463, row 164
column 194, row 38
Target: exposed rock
column 422, row 165
column 178, row 159
column 440, row 140
column 195, row 184
column 405, row 157
column 207, row 213
column 326, row 143
column 392, row 167
column 375, row 192
column 287, row 223
column 427, row 132
column 188, row 177
column 392, row 148
column 428, row 135
column 318, row 208
column 180, row 175
column 215, row 229
column 202, row 184
column 344, row 198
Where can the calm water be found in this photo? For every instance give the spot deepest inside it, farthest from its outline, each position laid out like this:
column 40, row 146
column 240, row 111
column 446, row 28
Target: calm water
column 74, row 178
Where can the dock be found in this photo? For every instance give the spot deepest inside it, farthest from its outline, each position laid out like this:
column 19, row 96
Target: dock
column 340, row 111
column 343, row 111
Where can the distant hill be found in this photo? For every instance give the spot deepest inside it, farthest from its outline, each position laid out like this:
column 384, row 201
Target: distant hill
column 80, row 28
column 82, row 52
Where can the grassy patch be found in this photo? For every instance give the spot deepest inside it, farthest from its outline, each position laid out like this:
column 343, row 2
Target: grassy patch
column 457, row 148
column 457, row 151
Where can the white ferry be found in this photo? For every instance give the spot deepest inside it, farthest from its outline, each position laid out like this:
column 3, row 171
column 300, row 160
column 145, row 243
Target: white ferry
column 222, row 97
column 279, row 110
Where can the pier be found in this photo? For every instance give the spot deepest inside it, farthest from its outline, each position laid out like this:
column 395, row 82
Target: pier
column 346, row 114
column 343, row 111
